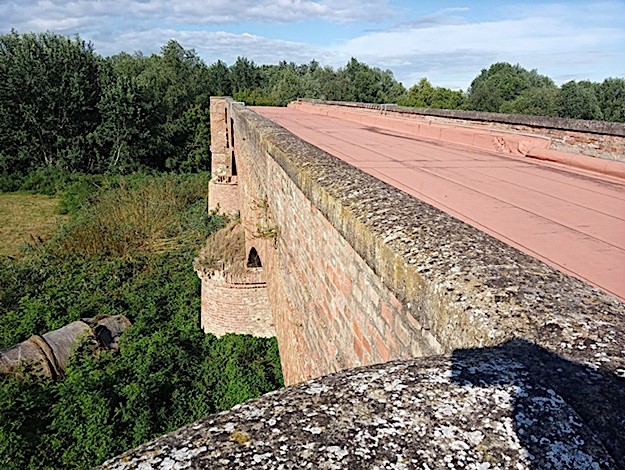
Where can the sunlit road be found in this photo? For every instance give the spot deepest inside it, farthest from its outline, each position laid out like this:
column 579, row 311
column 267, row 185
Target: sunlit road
column 571, row 219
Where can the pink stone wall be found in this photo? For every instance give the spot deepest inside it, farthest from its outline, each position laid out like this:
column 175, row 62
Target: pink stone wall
column 607, row 143
column 359, row 273
column 330, row 310
column 232, row 306
column 223, row 197
column 223, row 192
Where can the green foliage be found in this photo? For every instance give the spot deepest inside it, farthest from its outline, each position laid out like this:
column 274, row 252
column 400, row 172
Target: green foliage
column 49, row 88
column 63, row 106
column 539, row 101
column 579, row 100
column 26, row 413
column 126, row 127
column 219, row 79
column 367, row 84
column 502, row 83
column 424, row 95
column 168, row 373
column 244, row 75
column 611, row 96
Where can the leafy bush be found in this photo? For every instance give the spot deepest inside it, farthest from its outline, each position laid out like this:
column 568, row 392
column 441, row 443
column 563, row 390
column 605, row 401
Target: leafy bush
column 168, row 373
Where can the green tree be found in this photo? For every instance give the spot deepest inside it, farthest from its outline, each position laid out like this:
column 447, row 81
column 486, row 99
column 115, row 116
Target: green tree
column 502, row 83
column 366, row 84
column 219, row 79
column 540, row 101
column 289, row 87
column 126, row 130
column 611, row 96
column 424, row 95
column 244, row 75
column 579, row 100
column 49, row 93
column 173, row 83
column 319, row 82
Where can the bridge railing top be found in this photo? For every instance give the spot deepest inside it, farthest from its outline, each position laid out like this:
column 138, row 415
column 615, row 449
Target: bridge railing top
column 565, row 124
column 465, row 287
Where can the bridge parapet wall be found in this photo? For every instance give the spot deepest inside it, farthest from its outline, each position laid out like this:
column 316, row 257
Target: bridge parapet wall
column 545, row 122
column 360, row 272
column 601, row 139
column 532, row 373
column 330, row 309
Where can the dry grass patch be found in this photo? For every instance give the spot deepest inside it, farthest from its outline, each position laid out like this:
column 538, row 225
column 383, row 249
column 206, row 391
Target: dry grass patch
column 148, row 216
column 224, row 249
column 25, row 218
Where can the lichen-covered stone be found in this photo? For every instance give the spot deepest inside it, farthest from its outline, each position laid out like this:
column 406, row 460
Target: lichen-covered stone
column 534, row 371
column 476, row 409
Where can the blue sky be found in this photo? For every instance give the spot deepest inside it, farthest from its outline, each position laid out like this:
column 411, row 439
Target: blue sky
column 447, row 41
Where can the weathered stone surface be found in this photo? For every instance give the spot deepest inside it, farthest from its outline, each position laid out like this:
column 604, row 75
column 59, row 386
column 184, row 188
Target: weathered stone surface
column 461, row 286
column 474, row 409
column 359, row 273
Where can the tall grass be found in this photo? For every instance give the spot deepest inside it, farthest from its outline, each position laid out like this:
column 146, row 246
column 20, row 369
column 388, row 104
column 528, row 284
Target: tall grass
column 26, row 218
column 140, row 214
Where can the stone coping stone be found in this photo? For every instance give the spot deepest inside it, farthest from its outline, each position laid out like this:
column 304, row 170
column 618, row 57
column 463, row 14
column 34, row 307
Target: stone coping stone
column 474, row 409
column 468, row 288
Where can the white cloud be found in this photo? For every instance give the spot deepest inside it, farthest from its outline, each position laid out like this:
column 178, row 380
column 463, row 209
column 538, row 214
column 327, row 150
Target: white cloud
column 50, row 12
column 560, row 45
column 217, row 45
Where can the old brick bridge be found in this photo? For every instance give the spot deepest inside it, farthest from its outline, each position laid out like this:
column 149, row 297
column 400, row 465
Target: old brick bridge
column 474, row 264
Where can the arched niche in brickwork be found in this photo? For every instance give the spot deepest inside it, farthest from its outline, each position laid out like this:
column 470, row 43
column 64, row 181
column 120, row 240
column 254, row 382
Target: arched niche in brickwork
column 253, row 260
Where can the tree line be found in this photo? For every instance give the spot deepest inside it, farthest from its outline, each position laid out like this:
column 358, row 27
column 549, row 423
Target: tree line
column 63, row 105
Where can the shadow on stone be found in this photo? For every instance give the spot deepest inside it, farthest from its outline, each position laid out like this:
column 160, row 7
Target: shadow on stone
column 564, row 414
column 513, row 406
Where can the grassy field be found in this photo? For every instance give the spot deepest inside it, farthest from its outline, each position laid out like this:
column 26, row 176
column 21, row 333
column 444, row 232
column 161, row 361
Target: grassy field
column 24, row 218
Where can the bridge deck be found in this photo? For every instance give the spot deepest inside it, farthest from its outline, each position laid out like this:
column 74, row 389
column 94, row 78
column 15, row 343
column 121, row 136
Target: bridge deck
column 571, row 219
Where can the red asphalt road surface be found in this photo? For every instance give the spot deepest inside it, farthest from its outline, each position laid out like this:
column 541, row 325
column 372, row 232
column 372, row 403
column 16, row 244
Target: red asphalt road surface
column 574, row 220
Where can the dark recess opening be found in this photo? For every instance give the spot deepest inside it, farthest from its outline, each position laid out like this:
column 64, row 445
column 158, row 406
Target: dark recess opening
column 253, row 260
column 234, row 165
column 227, row 132
column 232, row 132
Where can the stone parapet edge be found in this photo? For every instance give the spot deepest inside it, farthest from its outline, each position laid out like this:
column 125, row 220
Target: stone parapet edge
column 577, row 125
column 514, row 143
column 468, row 288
